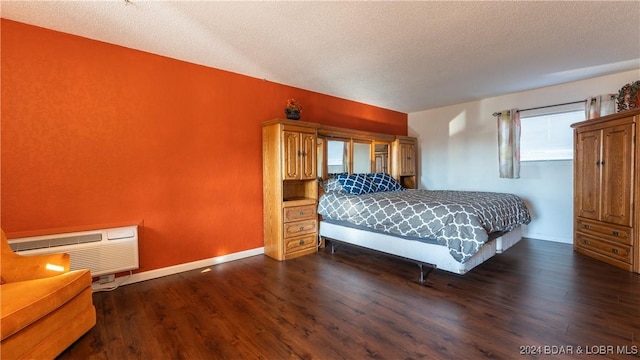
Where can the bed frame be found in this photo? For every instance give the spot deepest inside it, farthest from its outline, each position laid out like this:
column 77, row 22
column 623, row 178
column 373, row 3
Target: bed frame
column 432, row 255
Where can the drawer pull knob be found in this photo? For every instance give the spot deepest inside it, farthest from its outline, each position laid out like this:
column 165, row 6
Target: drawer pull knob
column 301, row 242
column 301, row 228
column 586, row 226
column 587, row 242
column 301, row 213
column 615, row 251
column 616, row 233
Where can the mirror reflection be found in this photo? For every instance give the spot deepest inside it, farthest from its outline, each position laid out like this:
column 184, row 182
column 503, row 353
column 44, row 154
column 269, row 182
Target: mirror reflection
column 361, row 157
column 320, row 157
column 381, row 158
column 337, row 157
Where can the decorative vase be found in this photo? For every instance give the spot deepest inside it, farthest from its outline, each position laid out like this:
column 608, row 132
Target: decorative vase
column 292, row 114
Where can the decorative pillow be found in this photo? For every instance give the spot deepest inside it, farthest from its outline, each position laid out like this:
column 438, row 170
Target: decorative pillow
column 385, row 182
column 332, row 185
column 356, row 184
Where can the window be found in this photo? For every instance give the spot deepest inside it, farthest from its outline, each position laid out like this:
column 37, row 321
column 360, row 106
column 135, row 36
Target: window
column 548, row 136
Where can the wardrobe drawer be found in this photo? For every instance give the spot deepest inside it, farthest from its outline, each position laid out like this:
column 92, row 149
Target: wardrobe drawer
column 612, row 250
column 297, row 213
column 300, row 243
column 617, row 233
column 298, row 228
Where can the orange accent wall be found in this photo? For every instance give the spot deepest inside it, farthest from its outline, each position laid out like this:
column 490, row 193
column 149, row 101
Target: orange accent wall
column 94, row 133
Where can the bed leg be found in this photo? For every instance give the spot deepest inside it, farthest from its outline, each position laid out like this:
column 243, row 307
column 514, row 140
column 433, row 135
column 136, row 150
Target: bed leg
column 424, row 275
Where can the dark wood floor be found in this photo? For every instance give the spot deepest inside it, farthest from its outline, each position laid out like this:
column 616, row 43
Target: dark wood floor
column 538, row 297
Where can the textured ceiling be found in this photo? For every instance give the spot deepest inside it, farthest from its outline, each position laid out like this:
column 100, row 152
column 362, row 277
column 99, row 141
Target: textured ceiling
column 405, row 56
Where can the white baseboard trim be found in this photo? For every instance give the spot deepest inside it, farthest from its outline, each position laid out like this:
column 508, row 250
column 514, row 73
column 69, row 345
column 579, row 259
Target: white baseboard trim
column 547, row 237
column 175, row 269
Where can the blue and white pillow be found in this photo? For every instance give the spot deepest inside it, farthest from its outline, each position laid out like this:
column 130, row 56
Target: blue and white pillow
column 385, row 182
column 357, row 184
column 332, row 185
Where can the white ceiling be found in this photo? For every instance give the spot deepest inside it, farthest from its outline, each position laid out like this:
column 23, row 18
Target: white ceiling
column 405, row 56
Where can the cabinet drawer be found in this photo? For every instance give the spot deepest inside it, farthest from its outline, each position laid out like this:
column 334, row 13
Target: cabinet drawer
column 617, row 233
column 297, row 213
column 300, row 243
column 610, row 249
column 298, row 228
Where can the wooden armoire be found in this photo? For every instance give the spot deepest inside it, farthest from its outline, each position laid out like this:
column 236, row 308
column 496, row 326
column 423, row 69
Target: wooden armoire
column 606, row 189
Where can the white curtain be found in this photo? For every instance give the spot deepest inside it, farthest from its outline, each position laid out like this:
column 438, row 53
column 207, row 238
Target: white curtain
column 509, row 143
column 600, row 105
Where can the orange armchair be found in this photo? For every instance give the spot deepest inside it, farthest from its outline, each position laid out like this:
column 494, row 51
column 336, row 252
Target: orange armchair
column 44, row 307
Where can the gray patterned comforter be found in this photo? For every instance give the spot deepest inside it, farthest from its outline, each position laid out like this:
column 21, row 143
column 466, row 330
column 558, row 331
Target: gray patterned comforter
column 460, row 220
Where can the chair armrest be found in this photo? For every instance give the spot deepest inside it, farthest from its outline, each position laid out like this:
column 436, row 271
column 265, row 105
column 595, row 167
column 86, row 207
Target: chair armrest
column 22, row 268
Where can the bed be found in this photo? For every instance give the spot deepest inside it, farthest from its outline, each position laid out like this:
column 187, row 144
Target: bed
column 449, row 230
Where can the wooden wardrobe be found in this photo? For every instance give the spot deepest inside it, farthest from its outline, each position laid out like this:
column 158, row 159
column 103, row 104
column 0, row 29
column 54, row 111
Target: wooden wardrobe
column 606, row 189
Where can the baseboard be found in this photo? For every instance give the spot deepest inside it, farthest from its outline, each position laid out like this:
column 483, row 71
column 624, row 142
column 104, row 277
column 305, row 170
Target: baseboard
column 170, row 270
column 176, row 269
column 539, row 236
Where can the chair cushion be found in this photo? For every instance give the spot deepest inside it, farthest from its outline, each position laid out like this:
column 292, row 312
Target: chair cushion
column 25, row 302
column 49, row 336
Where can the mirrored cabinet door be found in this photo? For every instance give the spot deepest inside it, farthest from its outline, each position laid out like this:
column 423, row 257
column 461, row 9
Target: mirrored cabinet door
column 320, row 156
column 337, row 157
column 382, row 151
column 361, row 157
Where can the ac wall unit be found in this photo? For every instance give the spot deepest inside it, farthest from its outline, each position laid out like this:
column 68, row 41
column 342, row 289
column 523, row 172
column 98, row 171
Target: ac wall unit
column 104, row 251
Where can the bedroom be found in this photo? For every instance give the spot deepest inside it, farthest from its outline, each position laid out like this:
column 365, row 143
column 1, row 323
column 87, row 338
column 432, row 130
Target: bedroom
column 62, row 173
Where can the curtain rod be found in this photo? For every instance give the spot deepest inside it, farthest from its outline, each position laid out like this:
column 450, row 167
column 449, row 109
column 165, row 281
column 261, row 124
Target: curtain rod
column 544, row 107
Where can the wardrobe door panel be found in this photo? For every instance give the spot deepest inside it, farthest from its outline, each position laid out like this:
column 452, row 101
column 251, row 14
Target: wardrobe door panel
column 617, row 175
column 587, row 172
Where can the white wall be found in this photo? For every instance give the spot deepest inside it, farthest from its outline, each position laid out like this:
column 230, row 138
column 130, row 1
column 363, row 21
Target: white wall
column 458, row 151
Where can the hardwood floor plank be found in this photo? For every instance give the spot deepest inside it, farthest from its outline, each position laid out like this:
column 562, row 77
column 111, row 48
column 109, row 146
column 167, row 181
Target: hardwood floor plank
column 360, row 304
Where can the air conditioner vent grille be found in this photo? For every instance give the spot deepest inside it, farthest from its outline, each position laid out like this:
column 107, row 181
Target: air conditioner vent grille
column 49, row 243
column 105, row 251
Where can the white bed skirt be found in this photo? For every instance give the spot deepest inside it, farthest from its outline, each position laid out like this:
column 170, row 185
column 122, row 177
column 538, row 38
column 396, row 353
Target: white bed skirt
column 433, row 254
